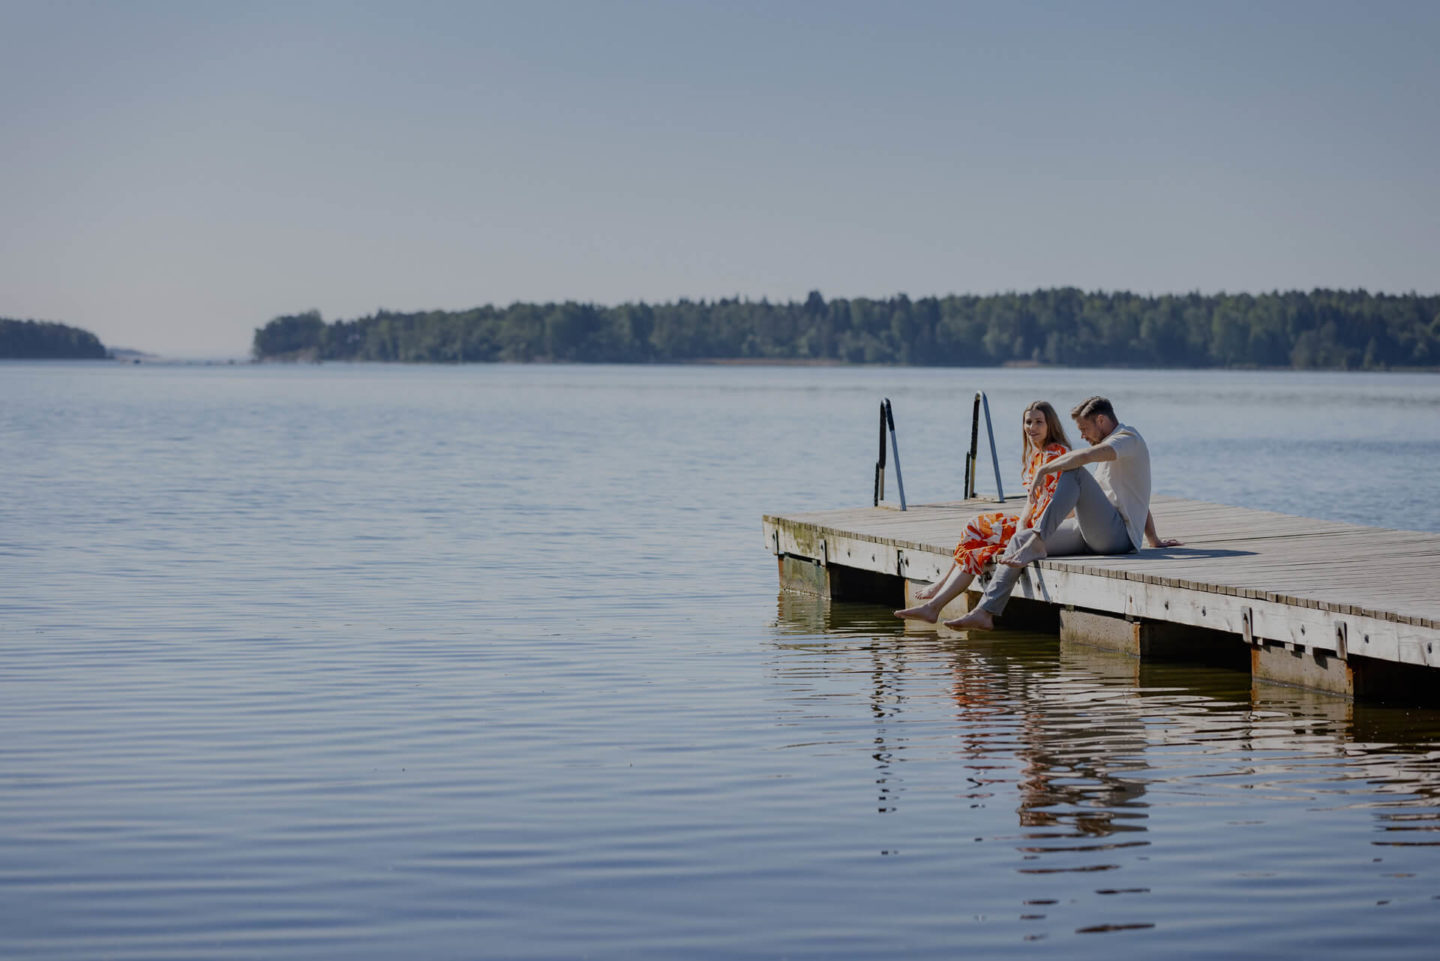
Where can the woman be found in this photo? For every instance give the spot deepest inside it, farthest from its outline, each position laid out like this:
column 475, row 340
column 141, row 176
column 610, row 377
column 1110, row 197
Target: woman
column 987, row 535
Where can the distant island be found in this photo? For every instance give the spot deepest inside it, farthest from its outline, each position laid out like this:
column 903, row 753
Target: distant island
column 1322, row 329
column 43, row 340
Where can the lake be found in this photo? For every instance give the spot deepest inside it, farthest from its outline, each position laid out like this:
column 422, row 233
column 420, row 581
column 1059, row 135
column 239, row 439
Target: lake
column 361, row 662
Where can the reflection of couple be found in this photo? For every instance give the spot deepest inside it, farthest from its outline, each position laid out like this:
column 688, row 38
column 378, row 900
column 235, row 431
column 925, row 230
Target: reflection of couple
column 1112, row 510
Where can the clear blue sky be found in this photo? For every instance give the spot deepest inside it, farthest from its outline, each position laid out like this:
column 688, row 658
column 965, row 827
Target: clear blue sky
column 174, row 174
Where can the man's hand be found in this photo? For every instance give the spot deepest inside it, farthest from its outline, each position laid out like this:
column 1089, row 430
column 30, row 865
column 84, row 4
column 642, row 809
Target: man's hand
column 1038, row 482
column 1152, row 536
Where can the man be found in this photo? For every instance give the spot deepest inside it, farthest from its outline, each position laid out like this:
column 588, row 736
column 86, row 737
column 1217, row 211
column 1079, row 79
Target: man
column 1112, row 508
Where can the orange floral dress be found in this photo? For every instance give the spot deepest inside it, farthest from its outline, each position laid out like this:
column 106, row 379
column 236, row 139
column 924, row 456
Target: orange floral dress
column 986, row 536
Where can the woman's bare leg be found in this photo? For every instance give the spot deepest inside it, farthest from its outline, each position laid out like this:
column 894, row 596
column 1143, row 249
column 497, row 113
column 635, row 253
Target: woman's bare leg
column 950, row 588
column 928, row 591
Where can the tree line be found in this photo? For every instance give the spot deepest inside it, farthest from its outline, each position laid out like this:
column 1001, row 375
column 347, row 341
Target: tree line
column 1322, row 329
column 44, row 340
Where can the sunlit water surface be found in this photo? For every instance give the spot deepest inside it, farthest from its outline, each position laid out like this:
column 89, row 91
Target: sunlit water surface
column 354, row 662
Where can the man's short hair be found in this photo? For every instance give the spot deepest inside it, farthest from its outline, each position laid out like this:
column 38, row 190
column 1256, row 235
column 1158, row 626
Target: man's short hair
column 1093, row 406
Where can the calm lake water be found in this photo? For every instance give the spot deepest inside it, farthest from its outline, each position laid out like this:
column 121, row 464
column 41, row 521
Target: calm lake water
column 364, row 662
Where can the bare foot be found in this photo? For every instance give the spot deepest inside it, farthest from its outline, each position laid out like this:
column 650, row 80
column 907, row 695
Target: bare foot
column 977, row 620
column 920, row 612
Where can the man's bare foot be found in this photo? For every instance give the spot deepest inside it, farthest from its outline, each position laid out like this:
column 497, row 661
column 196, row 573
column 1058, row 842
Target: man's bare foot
column 920, row 612
column 977, row 620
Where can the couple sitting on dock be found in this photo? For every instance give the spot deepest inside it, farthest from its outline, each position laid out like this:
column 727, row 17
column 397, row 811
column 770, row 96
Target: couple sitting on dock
column 1112, row 510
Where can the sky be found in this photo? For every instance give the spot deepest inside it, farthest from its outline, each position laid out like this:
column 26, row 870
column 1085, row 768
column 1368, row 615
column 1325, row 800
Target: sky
column 174, row 174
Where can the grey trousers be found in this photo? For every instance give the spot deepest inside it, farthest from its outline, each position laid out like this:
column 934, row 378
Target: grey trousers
column 1096, row 528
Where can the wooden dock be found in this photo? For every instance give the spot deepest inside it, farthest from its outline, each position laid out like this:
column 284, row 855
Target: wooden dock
column 1320, row 604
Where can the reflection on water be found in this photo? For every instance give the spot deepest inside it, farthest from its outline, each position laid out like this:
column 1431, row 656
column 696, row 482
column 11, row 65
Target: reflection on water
column 1097, row 759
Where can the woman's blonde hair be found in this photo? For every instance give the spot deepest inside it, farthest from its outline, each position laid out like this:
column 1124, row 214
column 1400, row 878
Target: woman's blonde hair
column 1054, row 430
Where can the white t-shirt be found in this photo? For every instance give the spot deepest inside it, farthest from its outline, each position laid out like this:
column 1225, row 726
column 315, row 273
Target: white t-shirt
column 1126, row 479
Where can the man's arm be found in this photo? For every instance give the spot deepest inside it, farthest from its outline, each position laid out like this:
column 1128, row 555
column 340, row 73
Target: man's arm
column 1152, row 538
column 1071, row 461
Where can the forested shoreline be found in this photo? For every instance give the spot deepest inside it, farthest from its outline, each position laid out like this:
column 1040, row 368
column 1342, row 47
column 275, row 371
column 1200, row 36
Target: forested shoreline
column 45, row 340
column 1322, row 329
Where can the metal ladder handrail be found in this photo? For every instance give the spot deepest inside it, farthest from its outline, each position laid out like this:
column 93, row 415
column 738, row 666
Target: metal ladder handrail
column 970, row 471
column 887, row 424
column 887, row 420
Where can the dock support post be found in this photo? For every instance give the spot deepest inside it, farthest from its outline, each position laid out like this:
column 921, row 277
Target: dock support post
column 1141, row 638
column 838, row 582
column 1296, row 666
column 803, row 575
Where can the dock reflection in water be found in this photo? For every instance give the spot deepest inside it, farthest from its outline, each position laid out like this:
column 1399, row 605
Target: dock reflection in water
column 1077, row 762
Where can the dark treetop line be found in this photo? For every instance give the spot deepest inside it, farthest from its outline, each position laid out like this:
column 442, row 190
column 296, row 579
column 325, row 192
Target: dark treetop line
column 1064, row 326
